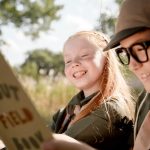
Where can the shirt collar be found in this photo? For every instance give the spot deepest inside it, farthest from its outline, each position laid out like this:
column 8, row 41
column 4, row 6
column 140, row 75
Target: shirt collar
column 80, row 99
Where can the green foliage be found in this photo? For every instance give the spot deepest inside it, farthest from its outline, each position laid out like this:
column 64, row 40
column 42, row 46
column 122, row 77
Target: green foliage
column 32, row 15
column 118, row 2
column 42, row 62
column 30, row 69
column 107, row 22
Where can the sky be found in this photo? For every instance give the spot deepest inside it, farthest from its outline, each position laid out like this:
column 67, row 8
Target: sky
column 76, row 15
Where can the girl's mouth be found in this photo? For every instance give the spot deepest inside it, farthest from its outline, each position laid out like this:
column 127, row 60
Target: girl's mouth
column 79, row 74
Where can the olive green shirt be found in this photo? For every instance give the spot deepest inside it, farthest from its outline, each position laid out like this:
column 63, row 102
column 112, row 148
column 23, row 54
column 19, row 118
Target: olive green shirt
column 104, row 128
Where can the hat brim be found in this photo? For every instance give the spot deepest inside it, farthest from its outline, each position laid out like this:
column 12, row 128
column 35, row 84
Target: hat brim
column 115, row 41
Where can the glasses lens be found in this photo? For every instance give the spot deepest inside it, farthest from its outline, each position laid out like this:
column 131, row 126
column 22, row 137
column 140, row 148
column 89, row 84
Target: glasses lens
column 139, row 52
column 123, row 56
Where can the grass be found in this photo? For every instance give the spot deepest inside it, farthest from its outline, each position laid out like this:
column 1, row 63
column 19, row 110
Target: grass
column 48, row 95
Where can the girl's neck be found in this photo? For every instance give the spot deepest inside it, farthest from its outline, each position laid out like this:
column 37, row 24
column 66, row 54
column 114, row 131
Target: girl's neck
column 86, row 94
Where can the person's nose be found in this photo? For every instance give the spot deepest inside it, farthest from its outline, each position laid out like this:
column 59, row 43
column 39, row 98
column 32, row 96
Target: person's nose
column 75, row 63
column 134, row 65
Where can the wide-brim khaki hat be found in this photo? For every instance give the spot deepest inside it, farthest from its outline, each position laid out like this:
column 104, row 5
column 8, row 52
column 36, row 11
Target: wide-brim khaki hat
column 134, row 17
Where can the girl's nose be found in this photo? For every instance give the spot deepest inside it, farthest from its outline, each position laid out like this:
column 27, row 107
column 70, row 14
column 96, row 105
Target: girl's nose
column 75, row 64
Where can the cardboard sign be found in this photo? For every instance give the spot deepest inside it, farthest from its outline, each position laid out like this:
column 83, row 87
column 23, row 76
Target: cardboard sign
column 21, row 127
column 142, row 141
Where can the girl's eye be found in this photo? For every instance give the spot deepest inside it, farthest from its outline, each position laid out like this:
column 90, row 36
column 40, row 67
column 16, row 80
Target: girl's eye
column 67, row 62
column 84, row 55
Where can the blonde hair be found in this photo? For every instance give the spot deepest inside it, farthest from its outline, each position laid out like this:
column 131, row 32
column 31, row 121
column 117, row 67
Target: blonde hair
column 112, row 81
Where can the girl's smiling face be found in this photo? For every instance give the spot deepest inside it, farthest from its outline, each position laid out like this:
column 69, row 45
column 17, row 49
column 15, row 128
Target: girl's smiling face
column 84, row 63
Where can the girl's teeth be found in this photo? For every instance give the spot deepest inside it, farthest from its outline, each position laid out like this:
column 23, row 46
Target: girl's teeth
column 78, row 74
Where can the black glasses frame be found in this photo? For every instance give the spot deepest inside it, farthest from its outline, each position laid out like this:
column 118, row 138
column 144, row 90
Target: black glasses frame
column 129, row 52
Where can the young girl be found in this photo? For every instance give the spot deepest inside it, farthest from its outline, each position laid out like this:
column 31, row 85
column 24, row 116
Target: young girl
column 101, row 113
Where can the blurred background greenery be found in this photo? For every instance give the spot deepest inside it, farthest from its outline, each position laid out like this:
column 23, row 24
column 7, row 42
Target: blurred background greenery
column 48, row 95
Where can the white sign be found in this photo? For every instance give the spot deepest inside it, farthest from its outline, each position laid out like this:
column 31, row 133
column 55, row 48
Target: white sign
column 21, row 127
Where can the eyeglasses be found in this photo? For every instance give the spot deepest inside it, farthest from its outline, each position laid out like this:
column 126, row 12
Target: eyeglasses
column 138, row 51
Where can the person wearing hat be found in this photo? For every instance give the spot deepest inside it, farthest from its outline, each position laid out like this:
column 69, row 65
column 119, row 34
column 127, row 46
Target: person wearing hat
column 132, row 45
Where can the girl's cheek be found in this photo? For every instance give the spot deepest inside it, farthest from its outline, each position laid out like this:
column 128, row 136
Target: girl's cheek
column 67, row 71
